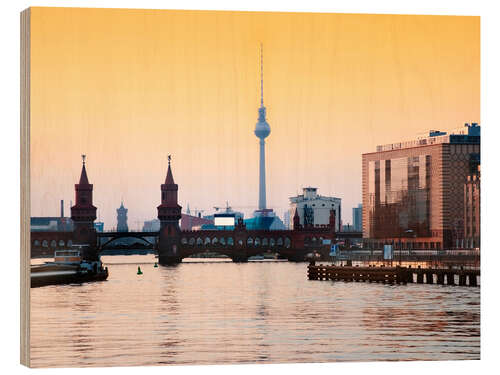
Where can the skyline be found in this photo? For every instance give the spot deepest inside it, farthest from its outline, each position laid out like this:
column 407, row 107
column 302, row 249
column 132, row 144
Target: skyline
column 156, row 81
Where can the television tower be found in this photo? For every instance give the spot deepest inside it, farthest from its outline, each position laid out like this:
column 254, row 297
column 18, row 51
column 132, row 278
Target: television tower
column 262, row 130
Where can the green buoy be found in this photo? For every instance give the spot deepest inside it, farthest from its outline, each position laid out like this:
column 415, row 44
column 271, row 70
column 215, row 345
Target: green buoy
column 139, row 272
column 156, row 265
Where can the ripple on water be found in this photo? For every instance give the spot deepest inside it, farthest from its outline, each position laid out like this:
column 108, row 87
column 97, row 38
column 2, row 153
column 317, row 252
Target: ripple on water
column 204, row 313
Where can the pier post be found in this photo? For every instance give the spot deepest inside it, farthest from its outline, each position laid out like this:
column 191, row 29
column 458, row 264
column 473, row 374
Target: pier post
column 450, row 278
column 472, row 279
column 462, row 279
column 420, row 276
column 440, row 278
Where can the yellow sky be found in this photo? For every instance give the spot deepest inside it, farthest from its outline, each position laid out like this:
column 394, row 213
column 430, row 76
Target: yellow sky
column 128, row 87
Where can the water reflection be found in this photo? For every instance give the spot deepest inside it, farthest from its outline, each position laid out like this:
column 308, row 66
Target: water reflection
column 220, row 312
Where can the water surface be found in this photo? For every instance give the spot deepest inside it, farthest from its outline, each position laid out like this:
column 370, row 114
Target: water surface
column 258, row 312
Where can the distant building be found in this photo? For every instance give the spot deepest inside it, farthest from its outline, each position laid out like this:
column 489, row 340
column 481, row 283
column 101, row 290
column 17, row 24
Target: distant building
column 99, row 226
column 357, row 218
column 348, row 228
column 314, row 209
column 121, row 219
column 286, row 219
column 190, row 222
column 52, row 223
column 413, row 191
column 472, row 214
column 151, row 225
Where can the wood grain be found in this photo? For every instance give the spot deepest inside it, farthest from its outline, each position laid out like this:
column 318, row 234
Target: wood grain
column 25, row 187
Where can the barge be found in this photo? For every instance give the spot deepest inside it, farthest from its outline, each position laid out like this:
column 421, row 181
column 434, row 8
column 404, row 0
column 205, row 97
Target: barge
column 68, row 267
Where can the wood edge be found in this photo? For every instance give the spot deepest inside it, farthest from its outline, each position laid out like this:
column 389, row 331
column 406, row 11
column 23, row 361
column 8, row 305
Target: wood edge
column 25, row 45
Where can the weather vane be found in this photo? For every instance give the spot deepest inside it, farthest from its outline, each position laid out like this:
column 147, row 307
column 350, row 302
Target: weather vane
column 169, row 158
column 83, row 158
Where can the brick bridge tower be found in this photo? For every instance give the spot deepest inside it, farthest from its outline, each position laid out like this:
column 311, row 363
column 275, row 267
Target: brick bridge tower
column 169, row 214
column 83, row 214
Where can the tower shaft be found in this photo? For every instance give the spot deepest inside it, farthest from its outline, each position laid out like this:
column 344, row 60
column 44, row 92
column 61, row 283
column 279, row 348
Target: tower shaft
column 262, row 175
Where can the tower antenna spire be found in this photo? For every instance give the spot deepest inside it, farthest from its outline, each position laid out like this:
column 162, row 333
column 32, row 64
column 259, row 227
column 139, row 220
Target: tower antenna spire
column 261, row 75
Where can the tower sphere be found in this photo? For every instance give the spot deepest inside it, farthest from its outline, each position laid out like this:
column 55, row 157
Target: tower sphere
column 262, row 128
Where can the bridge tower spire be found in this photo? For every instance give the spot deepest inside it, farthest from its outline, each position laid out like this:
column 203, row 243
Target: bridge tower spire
column 169, row 214
column 83, row 213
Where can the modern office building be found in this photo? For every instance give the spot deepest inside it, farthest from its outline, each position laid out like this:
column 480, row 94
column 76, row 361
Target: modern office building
column 472, row 214
column 314, row 209
column 413, row 192
column 357, row 218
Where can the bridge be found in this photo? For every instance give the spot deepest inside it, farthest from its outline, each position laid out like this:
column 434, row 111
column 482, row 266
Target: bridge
column 172, row 245
column 223, row 242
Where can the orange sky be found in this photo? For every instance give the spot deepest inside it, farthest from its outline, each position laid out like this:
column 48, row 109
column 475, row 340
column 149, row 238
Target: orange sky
column 128, row 87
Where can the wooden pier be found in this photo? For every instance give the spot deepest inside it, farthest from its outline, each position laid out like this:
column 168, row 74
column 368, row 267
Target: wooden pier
column 394, row 275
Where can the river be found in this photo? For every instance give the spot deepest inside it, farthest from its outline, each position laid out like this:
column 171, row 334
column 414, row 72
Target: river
column 219, row 312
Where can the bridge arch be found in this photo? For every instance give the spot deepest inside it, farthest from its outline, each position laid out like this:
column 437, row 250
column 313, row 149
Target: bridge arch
column 124, row 235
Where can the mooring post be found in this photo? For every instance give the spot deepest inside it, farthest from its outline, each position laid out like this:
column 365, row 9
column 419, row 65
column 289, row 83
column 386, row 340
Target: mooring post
column 450, row 278
column 420, row 276
column 440, row 278
column 462, row 279
column 429, row 278
column 472, row 279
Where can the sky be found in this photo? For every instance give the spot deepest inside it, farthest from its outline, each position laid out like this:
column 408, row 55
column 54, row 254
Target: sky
column 129, row 87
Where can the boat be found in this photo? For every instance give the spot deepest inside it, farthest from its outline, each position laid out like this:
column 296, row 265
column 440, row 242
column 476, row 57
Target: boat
column 68, row 267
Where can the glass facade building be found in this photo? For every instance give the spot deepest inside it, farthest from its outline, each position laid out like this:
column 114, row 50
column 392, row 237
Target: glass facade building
column 413, row 191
